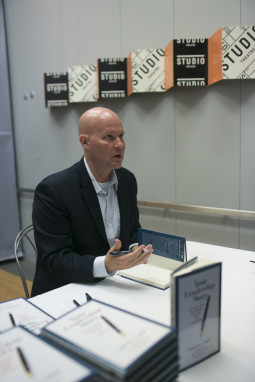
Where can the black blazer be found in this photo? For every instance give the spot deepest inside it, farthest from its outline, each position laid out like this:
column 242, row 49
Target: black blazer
column 69, row 229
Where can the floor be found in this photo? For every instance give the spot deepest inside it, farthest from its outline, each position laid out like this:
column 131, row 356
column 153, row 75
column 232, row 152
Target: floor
column 12, row 267
column 10, row 282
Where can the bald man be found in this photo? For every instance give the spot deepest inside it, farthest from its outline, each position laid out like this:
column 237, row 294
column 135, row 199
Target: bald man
column 83, row 213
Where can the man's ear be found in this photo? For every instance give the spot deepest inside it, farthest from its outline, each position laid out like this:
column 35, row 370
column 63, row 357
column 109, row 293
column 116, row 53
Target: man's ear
column 84, row 140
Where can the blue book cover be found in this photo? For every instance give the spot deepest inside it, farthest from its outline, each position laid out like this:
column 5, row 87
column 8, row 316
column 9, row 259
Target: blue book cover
column 170, row 246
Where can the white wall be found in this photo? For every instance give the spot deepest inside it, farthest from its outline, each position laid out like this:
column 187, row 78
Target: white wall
column 187, row 146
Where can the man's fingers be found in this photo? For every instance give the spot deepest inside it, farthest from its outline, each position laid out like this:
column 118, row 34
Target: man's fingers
column 116, row 246
column 115, row 263
column 135, row 258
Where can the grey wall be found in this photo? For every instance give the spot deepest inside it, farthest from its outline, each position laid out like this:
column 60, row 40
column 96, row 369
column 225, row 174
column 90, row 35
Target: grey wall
column 187, row 146
column 9, row 212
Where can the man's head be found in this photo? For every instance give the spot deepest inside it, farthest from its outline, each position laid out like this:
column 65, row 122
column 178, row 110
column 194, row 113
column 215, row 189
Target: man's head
column 101, row 135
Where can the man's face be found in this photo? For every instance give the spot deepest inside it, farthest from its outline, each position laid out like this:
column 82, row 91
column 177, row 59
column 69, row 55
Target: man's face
column 105, row 144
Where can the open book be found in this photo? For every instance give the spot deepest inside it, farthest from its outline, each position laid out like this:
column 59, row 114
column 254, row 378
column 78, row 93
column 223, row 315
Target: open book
column 170, row 253
column 195, row 310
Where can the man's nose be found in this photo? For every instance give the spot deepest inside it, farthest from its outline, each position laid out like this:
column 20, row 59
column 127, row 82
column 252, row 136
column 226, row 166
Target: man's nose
column 119, row 142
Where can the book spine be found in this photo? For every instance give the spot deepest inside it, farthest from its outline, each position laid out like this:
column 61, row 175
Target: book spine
column 173, row 302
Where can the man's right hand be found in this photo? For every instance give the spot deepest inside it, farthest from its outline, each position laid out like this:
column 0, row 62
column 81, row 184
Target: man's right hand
column 136, row 257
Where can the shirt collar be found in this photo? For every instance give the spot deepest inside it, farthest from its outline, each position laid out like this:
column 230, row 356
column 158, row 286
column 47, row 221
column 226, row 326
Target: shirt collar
column 98, row 189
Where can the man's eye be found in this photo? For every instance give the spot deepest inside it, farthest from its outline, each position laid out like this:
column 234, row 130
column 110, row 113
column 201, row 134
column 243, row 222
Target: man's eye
column 109, row 137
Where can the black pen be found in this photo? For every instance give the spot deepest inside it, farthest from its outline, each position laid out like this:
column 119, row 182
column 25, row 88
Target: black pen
column 112, row 325
column 252, row 261
column 205, row 314
column 24, row 361
column 12, row 319
column 88, row 297
column 76, row 303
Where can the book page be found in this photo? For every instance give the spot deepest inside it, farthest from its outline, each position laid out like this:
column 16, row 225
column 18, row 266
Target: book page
column 25, row 357
column 163, row 262
column 149, row 274
column 19, row 311
column 113, row 335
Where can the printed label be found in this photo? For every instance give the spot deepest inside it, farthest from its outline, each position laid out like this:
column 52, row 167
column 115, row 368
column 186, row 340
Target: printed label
column 112, row 77
column 238, row 52
column 191, row 62
column 56, row 89
column 148, row 70
column 82, row 83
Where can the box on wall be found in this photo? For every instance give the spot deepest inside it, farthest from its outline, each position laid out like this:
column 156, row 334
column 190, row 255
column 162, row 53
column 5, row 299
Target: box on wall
column 146, row 72
column 232, row 54
column 169, row 65
column 82, row 83
column 56, row 89
column 112, row 77
column 186, row 63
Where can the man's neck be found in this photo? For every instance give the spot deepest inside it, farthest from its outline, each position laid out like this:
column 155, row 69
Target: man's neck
column 100, row 176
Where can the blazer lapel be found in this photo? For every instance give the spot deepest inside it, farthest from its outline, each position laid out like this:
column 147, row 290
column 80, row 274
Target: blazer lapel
column 90, row 198
column 122, row 199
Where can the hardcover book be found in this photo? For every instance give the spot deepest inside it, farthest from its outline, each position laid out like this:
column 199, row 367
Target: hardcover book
column 20, row 311
column 27, row 357
column 82, row 83
column 121, row 346
column 56, row 89
column 146, row 71
column 196, row 310
column 169, row 253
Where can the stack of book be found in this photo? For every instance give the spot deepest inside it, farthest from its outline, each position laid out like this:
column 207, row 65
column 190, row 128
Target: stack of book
column 119, row 345
column 20, row 311
column 25, row 356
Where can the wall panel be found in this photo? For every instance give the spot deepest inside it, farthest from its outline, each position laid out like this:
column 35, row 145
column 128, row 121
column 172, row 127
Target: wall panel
column 9, row 211
column 190, row 146
column 201, row 18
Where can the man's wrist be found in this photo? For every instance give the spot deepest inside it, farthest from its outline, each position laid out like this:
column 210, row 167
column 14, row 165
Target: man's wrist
column 99, row 269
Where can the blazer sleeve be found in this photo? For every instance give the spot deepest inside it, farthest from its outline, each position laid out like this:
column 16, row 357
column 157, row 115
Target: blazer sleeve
column 59, row 259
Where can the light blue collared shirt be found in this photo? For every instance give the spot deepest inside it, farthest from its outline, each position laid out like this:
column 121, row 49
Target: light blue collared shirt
column 108, row 201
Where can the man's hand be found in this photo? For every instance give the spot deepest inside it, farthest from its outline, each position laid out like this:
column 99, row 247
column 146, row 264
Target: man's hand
column 136, row 257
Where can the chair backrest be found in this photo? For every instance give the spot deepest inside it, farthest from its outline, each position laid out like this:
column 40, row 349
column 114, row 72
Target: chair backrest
column 21, row 235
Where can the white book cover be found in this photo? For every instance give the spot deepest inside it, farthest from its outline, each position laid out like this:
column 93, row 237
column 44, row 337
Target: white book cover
column 106, row 335
column 20, row 311
column 26, row 357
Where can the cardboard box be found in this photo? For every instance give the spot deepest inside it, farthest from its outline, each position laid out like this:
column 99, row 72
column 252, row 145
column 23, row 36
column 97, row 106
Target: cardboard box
column 186, row 63
column 112, row 77
column 146, row 71
column 56, row 89
column 82, row 83
column 232, row 54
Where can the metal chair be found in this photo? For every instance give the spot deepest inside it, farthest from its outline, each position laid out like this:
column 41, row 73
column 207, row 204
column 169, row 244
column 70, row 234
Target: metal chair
column 23, row 234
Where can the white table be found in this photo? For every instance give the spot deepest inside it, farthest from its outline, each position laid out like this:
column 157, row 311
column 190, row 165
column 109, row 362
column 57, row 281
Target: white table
column 236, row 361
